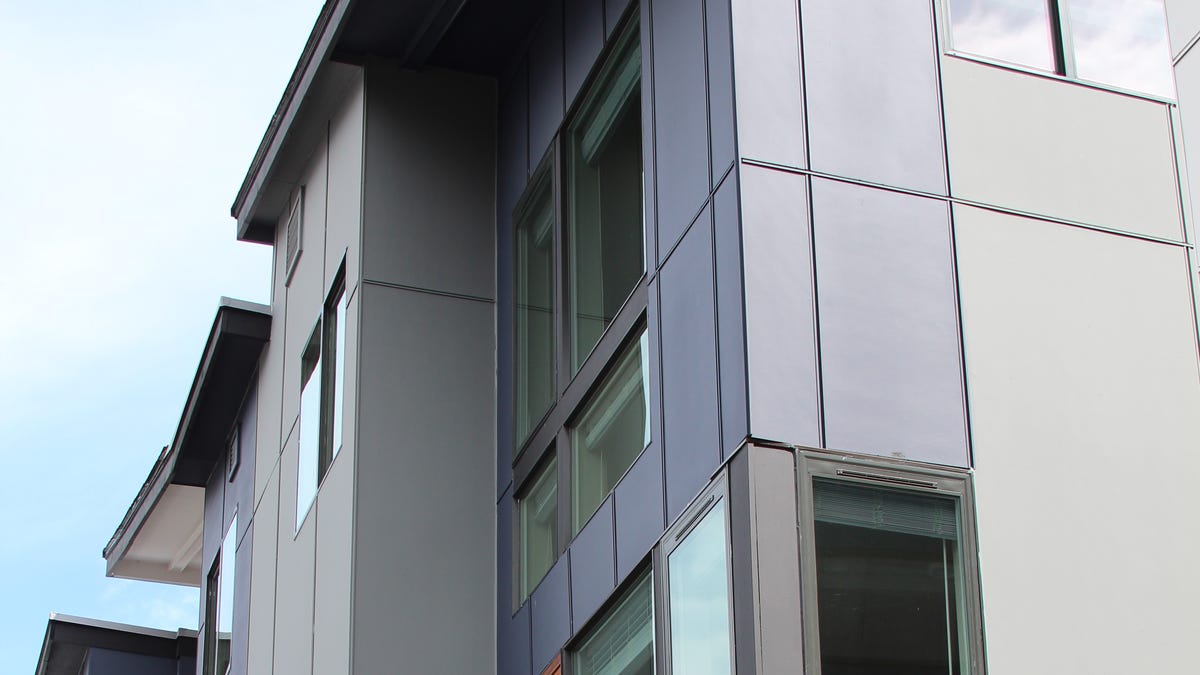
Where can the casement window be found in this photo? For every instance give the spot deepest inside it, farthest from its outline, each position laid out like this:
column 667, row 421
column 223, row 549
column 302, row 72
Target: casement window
column 890, row 575
column 1119, row 43
column 322, row 388
column 580, row 294
column 622, row 640
column 218, row 610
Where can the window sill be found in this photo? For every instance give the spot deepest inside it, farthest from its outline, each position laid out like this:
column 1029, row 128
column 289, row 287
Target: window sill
column 1028, row 70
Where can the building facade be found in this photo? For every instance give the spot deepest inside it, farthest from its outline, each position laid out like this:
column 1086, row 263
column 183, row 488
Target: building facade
column 708, row 336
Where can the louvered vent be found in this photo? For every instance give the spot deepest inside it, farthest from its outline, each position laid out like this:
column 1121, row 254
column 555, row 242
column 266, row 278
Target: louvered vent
column 294, row 232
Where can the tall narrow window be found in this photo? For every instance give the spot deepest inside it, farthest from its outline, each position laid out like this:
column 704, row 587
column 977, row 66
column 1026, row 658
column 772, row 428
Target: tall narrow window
column 604, row 197
column 698, row 587
column 534, row 289
column 334, row 348
column 310, row 425
column 610, row 432
column 623, row 639
column 889, row 581
column 537, row 513
column 218, row 609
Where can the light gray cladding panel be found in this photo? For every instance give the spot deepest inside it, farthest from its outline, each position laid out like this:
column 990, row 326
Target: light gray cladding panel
column 546, row 80
column 722, row 131
column 593, row 575
column 681, row 118
column 871, row 82
column 294, row 577
column 583, row 22
column 731, row 316
column 776, row 555
column 766, row 60
column 244, row 478
column 261, row 635
column 430, row 180
column 890, row 359
column 333, row 578
column 239, row 643
column 344, row 201
column 550, row 614
column 780, row 327
column 425, row 488
column 691, row 437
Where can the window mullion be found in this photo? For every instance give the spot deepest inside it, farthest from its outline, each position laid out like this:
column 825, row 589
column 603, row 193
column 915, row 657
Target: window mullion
column 1064, row 48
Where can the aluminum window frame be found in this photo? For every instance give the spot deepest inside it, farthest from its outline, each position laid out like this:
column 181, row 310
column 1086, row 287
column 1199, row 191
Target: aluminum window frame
column 875, row 472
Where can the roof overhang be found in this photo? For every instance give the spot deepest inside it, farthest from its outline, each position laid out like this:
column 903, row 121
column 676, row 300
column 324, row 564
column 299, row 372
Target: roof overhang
column 472, row 35
column 160, row 537
column 69, row 638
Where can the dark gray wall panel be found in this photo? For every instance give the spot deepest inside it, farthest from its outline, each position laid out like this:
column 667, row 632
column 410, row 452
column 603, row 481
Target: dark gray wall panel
column 593, row 561
column 613, row 11
column 550, row 614
column 871, row 76
column 638, row 508
column 583, row 22
column 780, row 327
column 731, row 317
column 214, row 523
column 723, row 134
column 890, row 355
column 512, row 643
column 112, row 662
column 680, row 102
column 504, row 556
column 691, row 437
column 513, row 142
column 545, row 82
column 513, row 162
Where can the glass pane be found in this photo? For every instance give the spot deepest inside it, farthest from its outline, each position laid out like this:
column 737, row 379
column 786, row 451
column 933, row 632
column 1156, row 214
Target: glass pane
column 310, row 428
column 622, row 643
column 610, row 433
column 1123, row 43
column 225, row 598
column 888, row 597
column 1017, row 31
column 604, row 197
column 534, row 243
column 538, row 523
column 339, row 372
column 700, row 599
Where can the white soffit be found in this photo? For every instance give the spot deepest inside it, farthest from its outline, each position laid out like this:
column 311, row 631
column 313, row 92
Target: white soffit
column 168, row 546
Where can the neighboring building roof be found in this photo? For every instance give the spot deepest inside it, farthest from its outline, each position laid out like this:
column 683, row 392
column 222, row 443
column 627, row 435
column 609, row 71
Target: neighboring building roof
column 159, row 538
column 69, row 638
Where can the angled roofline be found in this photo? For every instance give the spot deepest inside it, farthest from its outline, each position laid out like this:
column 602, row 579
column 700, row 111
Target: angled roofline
column 68, row 639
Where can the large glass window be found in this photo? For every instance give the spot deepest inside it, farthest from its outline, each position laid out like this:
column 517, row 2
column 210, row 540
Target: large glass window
column 610, row 432
column 890, row 586
column 534, row 289
column 622, row 642
column 219, row 605
column 698, row 584
column 537, row 514
column 1122, row 43
column 604, row 197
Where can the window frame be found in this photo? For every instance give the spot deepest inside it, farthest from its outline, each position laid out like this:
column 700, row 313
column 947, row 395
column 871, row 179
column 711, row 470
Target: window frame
column 876, row 472
column 1062, row 49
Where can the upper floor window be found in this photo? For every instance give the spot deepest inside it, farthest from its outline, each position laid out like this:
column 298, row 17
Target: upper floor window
column 322, row 385
column 219, row 605
column 1122, row 43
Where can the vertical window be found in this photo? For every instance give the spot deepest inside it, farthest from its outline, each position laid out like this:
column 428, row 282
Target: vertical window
column 698, row 593
column 537, row 513
column 310, row 425
column 622, row 641
column 219, row 605
column 893, row 566
column 604, row 197
column 611, row 431
column 534, row 291
column 1017, row 31
column 334, row 340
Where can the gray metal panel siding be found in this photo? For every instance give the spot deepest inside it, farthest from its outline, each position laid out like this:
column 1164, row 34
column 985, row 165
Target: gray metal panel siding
column 776, row 560
column 214, row 521
column 513, row 163
column 722, row 132
column 593, row 573
column 113, row 662
column 770, row 99
column 731, row 316
column 741, row 542
column 546, row 81
column 513, row 143
column 871, row 80
column 890, row 359
column 583, row 22
column 239, row 647
column 680, row 101
column 512, row 636
column 504, row 556
column 691, row 437
column 780, row 328
column 248, row 447
column 550, row 613
column 638, row 510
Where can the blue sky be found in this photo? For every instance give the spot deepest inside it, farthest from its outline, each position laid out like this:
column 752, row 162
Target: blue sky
column 125, row 130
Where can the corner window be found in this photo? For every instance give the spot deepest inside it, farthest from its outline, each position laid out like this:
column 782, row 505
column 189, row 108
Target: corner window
column 1121, row 43
column 534, row 311
column 611, row 431
column 537, row 526
column 893, row 563
column 219, row 605
column 622, row 641
column 322, row 385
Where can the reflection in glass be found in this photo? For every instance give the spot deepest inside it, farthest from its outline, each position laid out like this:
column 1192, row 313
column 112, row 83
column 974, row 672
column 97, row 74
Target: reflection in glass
column 610, row 433
column 339, row 374
column 1017, row 31
column 225, row 598
column 889, row 582
column 699, row 597
column 310, row 426
column 604, row 197
column 1123, row 43
column 622, row 643
column 538, row 526
column 534, row 243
